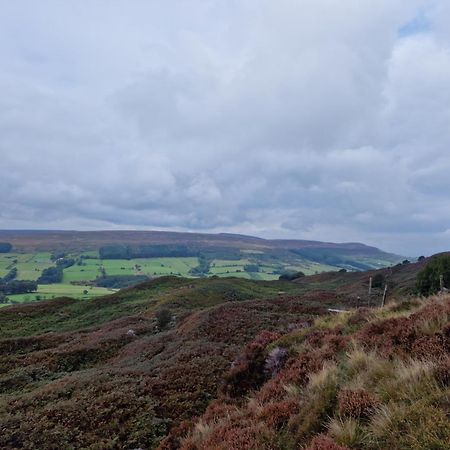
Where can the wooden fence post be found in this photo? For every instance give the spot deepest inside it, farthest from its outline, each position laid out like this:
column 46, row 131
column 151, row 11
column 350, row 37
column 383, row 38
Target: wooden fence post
column 370, row 291
column 384, row 295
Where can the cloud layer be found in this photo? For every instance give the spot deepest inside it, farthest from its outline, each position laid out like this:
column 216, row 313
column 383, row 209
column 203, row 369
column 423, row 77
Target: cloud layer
column 316, row 119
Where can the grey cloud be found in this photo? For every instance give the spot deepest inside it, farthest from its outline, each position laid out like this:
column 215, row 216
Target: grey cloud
column 308, row 119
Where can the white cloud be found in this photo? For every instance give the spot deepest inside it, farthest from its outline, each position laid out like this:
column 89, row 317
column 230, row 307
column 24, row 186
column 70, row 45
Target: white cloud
column 296, row 118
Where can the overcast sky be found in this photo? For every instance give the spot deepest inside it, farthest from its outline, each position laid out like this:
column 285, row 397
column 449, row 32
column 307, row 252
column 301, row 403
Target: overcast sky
column 309, row 119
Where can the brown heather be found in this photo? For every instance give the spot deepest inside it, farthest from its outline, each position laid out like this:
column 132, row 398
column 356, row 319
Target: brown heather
column 371, row 380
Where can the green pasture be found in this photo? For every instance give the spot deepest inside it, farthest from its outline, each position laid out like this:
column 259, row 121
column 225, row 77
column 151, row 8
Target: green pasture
column 93, row 268
column 31, row 265
column 6, row 263
column 90, row 270
column 47, row 291
column 162, row 266
column 225, row 268
column 310, row 268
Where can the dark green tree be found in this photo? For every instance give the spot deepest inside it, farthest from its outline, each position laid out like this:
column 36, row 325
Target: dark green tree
column 378, row 280
column 428, row 280
column 163, row 318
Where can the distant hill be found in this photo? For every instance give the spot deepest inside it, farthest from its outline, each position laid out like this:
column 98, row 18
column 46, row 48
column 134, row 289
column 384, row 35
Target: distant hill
column 353, row 256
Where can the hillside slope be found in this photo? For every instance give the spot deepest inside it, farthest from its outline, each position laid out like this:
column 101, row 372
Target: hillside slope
column 102, row 374
column 228, row 246
column 106, row 374
column 363, row 380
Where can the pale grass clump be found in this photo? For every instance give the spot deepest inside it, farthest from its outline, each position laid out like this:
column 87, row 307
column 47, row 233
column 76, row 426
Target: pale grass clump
column 294, row 340
column 417, row 426
column 347, row 432
column 366, row 369
column 413, row 371
column 325, row 377
column 201, row 432
column 254, row 407
column 382, row 420
column 389, row 312
column 318, row 402
column 293, row 390
column 411, row 380
column 359, row 359
column 333, row 320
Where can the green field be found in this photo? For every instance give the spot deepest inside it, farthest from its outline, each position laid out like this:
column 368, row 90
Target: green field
column 150, row 266
column 48, row 291
column 78, row 280
column 267, row 271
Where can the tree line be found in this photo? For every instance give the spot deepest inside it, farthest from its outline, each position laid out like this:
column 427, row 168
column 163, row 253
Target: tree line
column 146, row 251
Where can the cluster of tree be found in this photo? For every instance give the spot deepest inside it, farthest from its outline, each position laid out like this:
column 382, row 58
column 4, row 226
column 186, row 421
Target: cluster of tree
column 251, row 268
column 119, row 281
column 64, row 263
column 203, row 267
column 51, row 275
column 57, row 255
column 378, row 280
column 3, row 298
column 163, row 318
column 17, row 287
column 289, row 276
column 230, row 254
column 10, row 286
column 428, row 281
column 5, row 247
column 145, row 251
column 11, row 275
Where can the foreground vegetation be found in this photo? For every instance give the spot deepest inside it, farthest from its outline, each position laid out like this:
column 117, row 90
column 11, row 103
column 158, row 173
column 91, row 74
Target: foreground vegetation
column 360, row 380
column 229, row 363
column 113, row 372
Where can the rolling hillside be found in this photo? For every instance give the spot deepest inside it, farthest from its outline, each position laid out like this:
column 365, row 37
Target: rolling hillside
column 128, row 369
column 229, row 245
column 91, row 264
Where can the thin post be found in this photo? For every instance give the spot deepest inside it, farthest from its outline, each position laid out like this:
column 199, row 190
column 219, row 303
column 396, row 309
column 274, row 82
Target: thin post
column 370, row 291
column 384, row 295
column 441, row 282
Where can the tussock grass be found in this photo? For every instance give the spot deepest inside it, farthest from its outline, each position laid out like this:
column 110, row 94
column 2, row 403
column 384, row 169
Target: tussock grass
column 348, row 431
column 334, row 320
column 369, row 396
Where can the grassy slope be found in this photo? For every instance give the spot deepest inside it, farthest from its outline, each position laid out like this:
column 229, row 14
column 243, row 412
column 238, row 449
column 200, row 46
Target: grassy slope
column 71, row 376
column 363, row 380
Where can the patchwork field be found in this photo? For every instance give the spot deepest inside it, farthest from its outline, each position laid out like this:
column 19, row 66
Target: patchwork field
column 83, row 268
